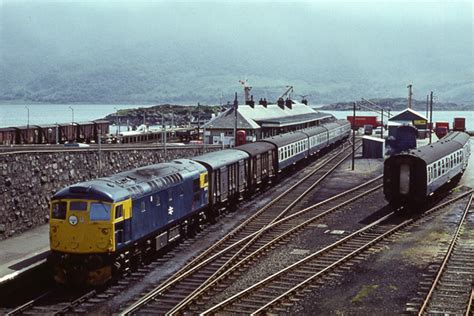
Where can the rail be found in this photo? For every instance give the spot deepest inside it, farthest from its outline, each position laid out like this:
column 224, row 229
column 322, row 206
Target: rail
column 244, row 232
column 447, row 257
column 351, row 253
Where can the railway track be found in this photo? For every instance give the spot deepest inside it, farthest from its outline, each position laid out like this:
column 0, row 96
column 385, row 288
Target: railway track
column 104, row 147
column 41, row 303
column 277, row 292
column 47, row 304
column 195, row 273
column 270, row 237
column 451, row 291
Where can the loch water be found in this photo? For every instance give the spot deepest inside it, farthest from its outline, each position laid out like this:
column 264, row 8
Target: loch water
column 17, row 114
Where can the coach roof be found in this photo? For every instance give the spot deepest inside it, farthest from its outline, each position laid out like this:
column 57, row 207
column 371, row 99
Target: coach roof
column 443, row 147
column 221, row 158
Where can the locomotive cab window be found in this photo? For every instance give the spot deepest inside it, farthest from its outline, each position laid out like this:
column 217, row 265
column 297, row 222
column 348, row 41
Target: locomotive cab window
column 59, row 210
column 118, row 211
column 78, row 206
column 99, row 211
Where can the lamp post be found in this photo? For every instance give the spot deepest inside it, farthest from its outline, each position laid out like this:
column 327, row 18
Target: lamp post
column 353, row 135
column 28, row 113
column 72, row 111
column 116, row 121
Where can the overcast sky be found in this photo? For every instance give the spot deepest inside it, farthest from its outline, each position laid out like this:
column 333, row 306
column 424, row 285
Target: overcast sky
column 414, row 40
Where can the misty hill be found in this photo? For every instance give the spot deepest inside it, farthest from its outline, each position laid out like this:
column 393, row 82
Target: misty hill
column 399, row 104
column 167, row 52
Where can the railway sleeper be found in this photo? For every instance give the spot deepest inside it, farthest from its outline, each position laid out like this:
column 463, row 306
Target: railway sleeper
column 235, row 310
column 445, row 310
column 450, row 298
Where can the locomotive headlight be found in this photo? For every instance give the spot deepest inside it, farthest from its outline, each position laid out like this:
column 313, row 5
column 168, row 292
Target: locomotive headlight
column 105, row 231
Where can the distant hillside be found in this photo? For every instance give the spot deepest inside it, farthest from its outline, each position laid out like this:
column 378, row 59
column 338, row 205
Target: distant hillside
column 146, row 52
column 398, row 104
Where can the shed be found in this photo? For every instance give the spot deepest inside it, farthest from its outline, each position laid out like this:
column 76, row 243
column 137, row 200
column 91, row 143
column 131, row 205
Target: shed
column 410, row 117
column 373, row 147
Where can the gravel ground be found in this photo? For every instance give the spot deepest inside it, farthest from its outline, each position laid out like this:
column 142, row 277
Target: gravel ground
column 319, row 234
column 211, row 234
column 388, row 280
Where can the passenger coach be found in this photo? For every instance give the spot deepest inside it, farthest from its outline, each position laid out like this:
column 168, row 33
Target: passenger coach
column 414, row 175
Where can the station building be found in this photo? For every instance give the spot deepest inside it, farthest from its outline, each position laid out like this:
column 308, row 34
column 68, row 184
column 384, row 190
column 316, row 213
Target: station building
column 262, row 120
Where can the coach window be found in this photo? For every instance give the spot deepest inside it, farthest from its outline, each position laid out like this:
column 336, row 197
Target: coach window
column 59, row 210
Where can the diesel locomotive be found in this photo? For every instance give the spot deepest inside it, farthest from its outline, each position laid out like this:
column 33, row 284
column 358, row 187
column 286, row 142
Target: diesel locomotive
column 412, row 176
column 103, row 227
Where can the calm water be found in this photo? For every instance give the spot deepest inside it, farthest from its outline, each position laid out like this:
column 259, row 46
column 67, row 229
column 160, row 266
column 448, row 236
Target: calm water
column 17, row 114
column 437, row 116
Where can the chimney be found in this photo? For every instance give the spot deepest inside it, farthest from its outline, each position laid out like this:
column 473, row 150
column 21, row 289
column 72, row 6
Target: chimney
column 251, row 102
column 264, row 103
column 281, row 103
column 288, row 103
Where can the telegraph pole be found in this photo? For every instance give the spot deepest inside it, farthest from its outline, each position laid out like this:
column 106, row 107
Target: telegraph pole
column 100, row 153
column 353, row 134
column 431, row 114
column 236, row 106
column 410, row 94
column 164, row 126
column 427, row 105
column 199, row 121
column 381, row 132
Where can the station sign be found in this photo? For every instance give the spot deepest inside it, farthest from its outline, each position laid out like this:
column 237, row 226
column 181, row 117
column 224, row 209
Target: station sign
column 419, row 122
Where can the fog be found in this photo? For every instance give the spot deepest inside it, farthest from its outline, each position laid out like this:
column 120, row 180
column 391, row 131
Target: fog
column 113, row 51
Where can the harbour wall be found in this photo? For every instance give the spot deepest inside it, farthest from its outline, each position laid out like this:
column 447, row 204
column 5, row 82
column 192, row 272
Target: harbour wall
column 29, row 179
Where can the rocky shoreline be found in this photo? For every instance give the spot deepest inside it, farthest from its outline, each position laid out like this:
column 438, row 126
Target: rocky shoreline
column 178, row 115
column 399, row 104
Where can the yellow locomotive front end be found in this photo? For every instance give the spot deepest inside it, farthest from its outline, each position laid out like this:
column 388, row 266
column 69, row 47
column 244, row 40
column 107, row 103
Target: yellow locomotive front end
column 83, row 238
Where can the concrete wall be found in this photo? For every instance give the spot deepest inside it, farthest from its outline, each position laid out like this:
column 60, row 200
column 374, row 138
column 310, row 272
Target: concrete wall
column 28, row 180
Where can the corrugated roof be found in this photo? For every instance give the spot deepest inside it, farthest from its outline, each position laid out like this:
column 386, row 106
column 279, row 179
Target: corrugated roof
column 295, row 119
column 227, row 120
column 408, row 115
column 273, row 115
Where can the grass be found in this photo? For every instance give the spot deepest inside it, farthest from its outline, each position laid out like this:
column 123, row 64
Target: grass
column 364, row 292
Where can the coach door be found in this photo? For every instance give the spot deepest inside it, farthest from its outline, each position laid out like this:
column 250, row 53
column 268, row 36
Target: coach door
column 404, row 179
column 224, row 183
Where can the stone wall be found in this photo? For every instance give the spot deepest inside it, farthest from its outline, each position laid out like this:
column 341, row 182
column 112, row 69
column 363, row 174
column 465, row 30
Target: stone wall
column 28, row 180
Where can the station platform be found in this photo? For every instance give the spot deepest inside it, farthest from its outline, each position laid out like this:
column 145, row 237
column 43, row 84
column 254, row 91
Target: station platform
column 23, row 252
